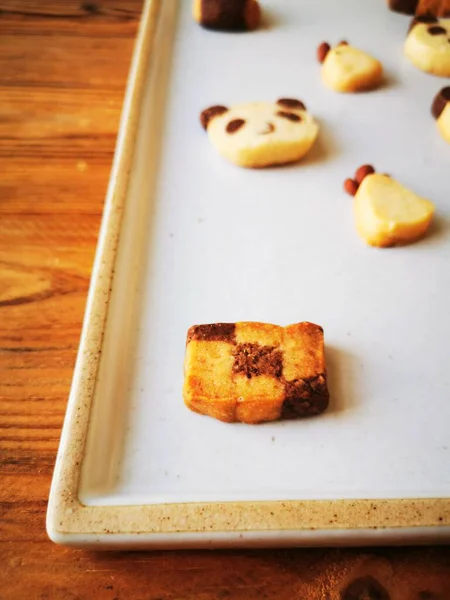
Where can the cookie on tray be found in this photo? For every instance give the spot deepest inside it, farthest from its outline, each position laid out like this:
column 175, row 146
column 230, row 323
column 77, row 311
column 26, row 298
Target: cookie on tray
column 255, row 372
column 441, row 112
column 261, row 134
column 387, row 213
column 427, row 45
column 227, row 15
column 348, row 69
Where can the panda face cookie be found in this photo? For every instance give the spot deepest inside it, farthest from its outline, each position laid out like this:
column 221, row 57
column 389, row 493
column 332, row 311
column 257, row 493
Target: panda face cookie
column 441, row 112
column 347, row 69
column 227, row 15
column 261, row 134
column 428, row 45
column 387, row 213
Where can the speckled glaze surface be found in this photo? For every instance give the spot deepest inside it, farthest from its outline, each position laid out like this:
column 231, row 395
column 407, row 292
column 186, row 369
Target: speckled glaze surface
column 79, row 516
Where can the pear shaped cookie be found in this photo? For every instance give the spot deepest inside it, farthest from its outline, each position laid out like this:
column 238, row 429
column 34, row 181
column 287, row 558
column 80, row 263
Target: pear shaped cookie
column 387, row 213
column 347, row 69
column 261, row 134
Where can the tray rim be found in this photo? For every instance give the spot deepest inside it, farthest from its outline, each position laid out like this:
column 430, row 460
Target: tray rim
column 236, row 522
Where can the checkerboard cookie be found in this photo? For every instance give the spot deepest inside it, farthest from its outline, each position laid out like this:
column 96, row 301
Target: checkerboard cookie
column 255, row 372
column 227, row 15
column 428, row 45
column 261, row 134
column 441, row 112
column 348, row 69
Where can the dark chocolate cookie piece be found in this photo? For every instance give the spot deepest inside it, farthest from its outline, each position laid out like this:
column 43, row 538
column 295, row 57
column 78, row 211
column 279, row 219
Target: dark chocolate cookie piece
column 216, row 332
column 305, row 397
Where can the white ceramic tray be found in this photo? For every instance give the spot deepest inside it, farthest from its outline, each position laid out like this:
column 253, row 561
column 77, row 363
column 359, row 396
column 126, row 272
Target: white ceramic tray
column 188, row 238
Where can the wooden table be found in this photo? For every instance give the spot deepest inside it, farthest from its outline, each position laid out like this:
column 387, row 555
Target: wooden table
column 63, row 66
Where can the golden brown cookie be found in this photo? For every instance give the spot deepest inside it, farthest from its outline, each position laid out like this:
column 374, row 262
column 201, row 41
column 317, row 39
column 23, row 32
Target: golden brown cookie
column 427, row 45
column 348, row 69
column 227, row 15
column 387, row 213
column 261, row 134
column 255, row 372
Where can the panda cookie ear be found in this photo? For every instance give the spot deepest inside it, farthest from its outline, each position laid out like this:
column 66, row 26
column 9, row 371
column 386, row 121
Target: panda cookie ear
column 291, row 103
column 441, row 112
column 440, row 102
column 425, row 18
column 208, row 114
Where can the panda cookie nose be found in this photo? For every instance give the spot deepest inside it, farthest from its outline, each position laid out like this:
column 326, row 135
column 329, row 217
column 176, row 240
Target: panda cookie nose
column 268, row 128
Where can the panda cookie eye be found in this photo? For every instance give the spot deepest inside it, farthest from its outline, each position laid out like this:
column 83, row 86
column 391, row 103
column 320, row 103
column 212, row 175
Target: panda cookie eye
column 289, row 115
column 235, row 125
column 436, row 30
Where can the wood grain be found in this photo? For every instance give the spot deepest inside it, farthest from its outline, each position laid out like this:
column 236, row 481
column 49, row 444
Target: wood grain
column 63, row 68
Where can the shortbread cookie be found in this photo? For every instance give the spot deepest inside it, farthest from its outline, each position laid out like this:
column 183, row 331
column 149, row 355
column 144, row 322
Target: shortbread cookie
column 428, row 45
column 347, row 69
column 255, row 372
column 227, row 15
column 441, row 112
column 261, row 134
column 386, row 213
column 438, row 8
